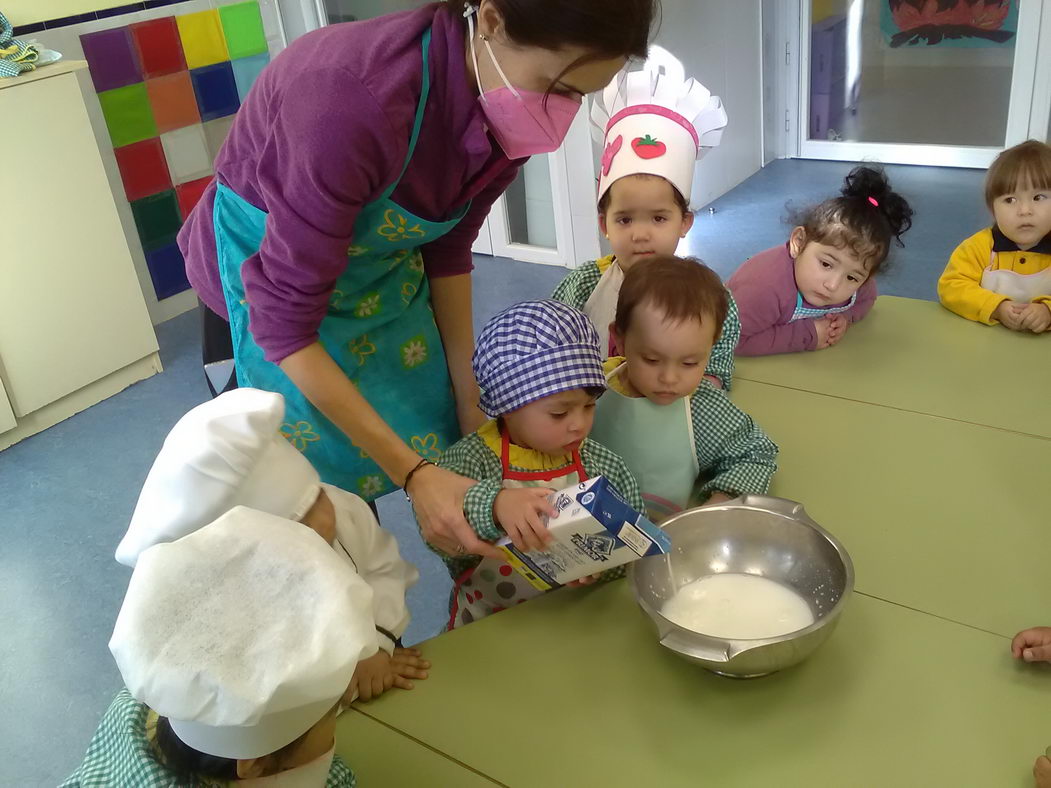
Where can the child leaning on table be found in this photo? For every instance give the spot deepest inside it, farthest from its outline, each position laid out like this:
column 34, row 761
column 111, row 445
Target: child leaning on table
column 1002, row 274
column 539, row 370
column 805, row 294
column 1034, row 645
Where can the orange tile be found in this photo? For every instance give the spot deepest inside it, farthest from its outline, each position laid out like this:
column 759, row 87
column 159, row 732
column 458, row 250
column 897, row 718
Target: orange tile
column 173, row 101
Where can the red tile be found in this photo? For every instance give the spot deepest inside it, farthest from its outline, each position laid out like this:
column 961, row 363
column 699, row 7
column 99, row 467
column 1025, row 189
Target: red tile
column 190, row 193
column 143, row 168
column 159, row 46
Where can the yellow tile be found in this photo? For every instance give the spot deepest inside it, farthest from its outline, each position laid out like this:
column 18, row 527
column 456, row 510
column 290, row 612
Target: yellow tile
column 202, row 38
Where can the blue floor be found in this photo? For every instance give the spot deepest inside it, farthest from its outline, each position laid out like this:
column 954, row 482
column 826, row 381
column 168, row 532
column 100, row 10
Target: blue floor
column 68, row 492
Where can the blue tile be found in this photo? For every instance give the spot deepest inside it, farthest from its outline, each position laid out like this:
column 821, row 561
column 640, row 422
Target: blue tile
column 120, row 10
column 247, row 70
column 66, row 21
column 216, row 90
column 25, row 30
column 168, row 271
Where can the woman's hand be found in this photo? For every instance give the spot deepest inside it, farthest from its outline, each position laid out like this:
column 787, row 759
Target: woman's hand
column 437, row 497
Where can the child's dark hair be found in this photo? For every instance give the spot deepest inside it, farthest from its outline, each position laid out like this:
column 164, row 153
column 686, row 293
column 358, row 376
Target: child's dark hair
column 1027, row 164
column 865, row 218
column 605, row 29
column 188, row 762
column 683, row 288
column 680, row 201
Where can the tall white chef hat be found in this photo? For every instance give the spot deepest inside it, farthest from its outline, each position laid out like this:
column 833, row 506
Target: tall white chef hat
column 655, row 121
column 243, row 634
column 224, row 453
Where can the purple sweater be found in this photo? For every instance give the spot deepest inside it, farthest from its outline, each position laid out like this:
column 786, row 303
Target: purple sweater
column 765, row 290
column 325, row 130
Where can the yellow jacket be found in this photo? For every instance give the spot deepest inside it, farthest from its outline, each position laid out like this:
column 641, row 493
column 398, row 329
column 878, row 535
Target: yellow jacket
column 960, row 288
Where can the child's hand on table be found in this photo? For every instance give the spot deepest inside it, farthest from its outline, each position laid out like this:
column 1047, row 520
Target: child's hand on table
column 1009, row 313
column 1042, row 771
column 823, row 329
column 1035, row 317
column 1032, row 645
column 377, row 674
column 521, row 512
column 837, row 328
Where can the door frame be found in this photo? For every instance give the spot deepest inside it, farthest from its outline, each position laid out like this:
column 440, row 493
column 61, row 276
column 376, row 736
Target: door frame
column 1030, row 98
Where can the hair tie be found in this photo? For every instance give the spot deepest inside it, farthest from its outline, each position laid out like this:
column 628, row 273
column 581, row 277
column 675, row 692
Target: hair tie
column 873, row 201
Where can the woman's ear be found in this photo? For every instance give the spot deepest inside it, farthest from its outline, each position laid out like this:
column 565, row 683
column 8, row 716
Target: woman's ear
column 490, row 22
column 796, row 241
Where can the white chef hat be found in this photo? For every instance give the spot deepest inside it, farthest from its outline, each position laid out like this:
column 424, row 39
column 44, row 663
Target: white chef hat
column 243, row 634
column 224, row 453
column 655, row 121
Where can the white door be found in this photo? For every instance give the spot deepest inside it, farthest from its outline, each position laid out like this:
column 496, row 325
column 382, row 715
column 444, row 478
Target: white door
column 914, row 82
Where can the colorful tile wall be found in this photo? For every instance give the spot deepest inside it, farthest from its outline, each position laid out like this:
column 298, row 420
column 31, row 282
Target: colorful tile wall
column 169, row 89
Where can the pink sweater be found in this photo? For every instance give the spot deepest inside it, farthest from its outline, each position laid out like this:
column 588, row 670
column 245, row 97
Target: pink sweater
column 765, row 290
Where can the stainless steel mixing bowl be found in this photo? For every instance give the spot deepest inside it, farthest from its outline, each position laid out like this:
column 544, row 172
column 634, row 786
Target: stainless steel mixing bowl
column 757, row 535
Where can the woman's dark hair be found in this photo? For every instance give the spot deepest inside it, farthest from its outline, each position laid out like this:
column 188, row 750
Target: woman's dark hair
column 606, row 28
column 188, row 762
column 865, row 218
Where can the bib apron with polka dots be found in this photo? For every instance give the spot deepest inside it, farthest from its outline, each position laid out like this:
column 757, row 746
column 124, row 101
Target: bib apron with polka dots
column 493, row 585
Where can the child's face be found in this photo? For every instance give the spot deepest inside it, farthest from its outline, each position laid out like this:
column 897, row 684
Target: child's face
column 313, row 744
column 664, row 360
column 643, row 219
column 321, row 517
column 1024, row 215
column 555, row 424
column 825, row 275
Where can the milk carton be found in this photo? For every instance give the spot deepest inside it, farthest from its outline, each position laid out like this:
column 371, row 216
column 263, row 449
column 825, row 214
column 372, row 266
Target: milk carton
column 594, row 530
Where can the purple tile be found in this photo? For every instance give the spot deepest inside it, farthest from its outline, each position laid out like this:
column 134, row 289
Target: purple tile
column 112, row 59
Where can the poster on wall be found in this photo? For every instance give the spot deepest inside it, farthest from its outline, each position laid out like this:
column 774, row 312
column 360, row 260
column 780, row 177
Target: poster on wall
column 169, row 89
column 949, row 23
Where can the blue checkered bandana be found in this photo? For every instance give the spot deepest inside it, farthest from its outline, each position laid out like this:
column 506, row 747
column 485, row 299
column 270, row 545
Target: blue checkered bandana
column 533, row 350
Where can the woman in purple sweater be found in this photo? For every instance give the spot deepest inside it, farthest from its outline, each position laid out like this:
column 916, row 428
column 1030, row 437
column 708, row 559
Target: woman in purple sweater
column 334, row 246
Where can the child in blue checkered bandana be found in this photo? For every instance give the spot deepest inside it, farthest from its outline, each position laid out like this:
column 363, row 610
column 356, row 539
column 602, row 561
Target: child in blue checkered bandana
column 539, row 369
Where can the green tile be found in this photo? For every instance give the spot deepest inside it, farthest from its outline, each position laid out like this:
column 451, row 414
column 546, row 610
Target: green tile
column 128, row 114
column 157, row 219
column 243, row 27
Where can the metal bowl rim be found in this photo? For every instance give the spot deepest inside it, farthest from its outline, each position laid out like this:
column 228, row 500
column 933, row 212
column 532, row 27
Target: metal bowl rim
column 756, row 503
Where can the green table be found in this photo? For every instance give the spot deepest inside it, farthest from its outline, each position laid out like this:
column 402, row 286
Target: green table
column 573, row 690
column 944, row 517
column 381, row 756
column 918, row 356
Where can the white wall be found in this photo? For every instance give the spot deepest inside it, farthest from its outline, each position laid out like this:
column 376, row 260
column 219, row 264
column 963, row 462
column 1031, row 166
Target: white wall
column 719, row 44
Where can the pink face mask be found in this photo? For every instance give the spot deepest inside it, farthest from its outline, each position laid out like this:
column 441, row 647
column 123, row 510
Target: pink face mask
column 523, row 123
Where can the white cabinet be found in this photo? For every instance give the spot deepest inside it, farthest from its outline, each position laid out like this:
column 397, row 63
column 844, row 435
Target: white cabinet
column 74, row 327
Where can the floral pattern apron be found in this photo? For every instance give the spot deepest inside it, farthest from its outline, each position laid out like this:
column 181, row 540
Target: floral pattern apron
column 494, row 585
column 379, row 328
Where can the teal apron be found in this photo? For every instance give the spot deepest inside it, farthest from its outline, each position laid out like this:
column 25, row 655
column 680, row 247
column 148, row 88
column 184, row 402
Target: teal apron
column 379, row 328
column 657, row 444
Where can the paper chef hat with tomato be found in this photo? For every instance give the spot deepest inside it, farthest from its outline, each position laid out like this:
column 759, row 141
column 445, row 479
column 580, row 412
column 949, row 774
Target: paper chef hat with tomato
column 655, row 121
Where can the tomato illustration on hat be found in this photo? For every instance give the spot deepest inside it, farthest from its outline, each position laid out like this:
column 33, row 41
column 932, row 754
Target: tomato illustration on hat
column 648, row 147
